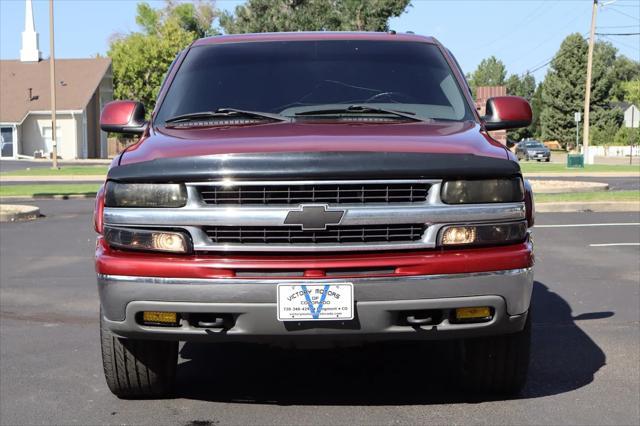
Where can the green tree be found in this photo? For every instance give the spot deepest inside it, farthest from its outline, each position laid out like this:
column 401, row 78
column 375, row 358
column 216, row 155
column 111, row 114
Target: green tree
column 626, row 71
column 490, row 72
column 140, row 60
column 563, row 89
column 631, row 91
column 312, row 15
column 627, row 136
column 194, row 17
column 526, row 88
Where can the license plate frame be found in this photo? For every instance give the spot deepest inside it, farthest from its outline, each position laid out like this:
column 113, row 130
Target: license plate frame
column 305, row 301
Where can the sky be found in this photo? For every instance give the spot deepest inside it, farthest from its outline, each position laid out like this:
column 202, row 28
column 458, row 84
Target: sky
column 524, row 34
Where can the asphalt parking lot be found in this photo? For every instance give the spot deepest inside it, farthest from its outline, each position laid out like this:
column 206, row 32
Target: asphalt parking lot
column 585, row 361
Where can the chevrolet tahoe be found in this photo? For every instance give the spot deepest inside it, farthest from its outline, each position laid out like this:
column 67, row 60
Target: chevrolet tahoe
column 314, row 189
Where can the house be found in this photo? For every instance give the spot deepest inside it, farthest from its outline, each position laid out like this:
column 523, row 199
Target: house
column 483, row 93
column 83, row 86
column 631, row 116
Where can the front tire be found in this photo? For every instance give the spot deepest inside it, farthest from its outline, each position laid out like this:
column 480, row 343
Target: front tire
column 496, row 364
column 136, row 368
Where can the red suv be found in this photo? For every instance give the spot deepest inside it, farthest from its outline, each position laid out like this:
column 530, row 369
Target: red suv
column 314, row 189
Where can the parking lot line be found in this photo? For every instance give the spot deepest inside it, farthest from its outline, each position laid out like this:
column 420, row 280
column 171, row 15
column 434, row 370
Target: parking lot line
column 614, row 244
column 578, row 225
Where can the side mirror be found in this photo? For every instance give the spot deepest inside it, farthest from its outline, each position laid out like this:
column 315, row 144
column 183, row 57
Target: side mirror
column 510, row 143
column 507, row 112
column 123, row 117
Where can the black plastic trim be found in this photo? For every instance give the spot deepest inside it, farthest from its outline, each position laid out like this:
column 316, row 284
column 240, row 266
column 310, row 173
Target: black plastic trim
column 315, row 165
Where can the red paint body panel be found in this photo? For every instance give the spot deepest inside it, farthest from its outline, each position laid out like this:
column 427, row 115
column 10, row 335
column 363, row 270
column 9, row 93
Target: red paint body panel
column 115, row 262
column 307, row 36
column 118, row 113
column 512, row 108
column 444, row 137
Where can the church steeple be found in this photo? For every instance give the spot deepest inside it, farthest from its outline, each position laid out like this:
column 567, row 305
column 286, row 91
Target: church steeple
column 29, row 51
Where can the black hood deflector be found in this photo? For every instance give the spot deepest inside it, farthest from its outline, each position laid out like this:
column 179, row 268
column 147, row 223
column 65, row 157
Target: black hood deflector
column 315, row 166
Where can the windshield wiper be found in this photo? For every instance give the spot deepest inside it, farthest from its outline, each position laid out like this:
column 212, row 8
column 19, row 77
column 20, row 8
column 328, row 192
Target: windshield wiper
column 360, row 109
column 225, row 113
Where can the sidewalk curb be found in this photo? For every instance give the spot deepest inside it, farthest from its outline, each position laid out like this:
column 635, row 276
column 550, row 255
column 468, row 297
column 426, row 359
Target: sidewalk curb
column 18, row 213
column 54, row 179
column 592, row 206
column 575, row 174
column 47, row 197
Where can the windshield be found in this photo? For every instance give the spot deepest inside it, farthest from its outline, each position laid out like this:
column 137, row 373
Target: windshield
column 534, row 145
column 292, row 77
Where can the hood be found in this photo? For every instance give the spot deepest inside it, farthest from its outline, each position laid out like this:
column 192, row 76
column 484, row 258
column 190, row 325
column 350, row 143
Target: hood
column 428, row 138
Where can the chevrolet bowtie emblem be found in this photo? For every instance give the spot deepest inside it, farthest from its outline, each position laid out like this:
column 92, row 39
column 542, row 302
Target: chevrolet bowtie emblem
column 314, row 217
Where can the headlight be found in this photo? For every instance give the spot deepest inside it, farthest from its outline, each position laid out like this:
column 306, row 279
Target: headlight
column 482, row 191
column 145, row 195
column 495, row 234
column 143, row 239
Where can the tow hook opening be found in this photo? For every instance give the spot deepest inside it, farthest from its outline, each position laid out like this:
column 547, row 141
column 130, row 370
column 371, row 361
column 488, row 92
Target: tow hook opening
column 211, row 320
column 421, row 317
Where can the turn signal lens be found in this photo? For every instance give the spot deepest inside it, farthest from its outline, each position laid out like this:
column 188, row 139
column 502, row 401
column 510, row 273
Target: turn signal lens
column 143, row 239
column 475, row 313
column 155, row 317
column 459, row 235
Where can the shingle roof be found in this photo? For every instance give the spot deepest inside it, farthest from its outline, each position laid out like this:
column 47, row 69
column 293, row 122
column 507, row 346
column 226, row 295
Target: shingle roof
column 77, row 80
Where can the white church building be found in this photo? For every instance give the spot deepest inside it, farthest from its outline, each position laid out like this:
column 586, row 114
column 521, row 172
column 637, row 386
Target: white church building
column 83, row 86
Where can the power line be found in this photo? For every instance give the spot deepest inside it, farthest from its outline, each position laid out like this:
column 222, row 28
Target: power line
column 617, row 34
column 622, row 13
column 612, row 40
column 545, row 41
column 527, row 20
column 618, row 26
column 549, row 60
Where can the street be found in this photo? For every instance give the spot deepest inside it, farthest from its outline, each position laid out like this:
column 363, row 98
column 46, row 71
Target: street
column 584, row 370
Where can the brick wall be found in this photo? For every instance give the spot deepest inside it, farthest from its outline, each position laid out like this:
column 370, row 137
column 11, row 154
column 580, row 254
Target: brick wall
column 482, row 94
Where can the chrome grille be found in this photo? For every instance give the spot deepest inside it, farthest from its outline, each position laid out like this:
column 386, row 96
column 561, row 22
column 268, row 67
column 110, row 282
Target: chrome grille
column 332, row 235
column 342, row 193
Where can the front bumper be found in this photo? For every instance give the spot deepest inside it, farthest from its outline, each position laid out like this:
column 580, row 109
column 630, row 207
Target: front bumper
column 379, row 303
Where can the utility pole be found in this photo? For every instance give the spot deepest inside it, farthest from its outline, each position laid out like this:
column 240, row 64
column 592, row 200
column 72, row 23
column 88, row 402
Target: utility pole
column 52, row 74
column 587, row 95
column 633, row 122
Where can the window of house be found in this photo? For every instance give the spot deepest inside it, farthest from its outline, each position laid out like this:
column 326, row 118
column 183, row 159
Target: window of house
column 6, row 142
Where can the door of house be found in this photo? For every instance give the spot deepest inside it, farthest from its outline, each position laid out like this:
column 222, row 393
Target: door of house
column 48, row 143
column 6, row 142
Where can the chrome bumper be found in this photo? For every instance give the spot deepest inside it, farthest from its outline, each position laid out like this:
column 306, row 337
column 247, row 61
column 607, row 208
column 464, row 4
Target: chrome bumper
column 378, row 301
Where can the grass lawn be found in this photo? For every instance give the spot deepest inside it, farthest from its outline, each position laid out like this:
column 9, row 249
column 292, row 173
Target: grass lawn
column 589, row 196
column 535, row 167
column 48, row 190
column 63, row 171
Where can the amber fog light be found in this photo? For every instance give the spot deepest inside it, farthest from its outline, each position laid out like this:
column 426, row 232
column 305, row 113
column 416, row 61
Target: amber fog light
column 474, row 314
column 455, row 235
column 159, row 318
column 144, row 239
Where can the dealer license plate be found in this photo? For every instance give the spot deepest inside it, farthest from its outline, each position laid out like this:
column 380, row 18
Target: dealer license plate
column 315, row 302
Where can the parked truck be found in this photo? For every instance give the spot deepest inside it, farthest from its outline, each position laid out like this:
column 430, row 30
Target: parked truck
column 314, row 188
